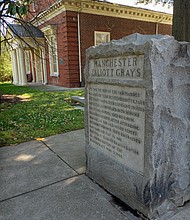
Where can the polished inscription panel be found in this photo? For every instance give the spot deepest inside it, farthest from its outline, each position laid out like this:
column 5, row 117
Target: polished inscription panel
column 116, row 118
column 122, row 67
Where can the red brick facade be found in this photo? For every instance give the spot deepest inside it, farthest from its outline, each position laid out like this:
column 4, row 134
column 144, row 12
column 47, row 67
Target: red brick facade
column 67, row 39
column 118, row 28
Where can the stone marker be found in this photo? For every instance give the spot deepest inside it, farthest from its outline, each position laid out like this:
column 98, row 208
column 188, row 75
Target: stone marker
column 138, row 121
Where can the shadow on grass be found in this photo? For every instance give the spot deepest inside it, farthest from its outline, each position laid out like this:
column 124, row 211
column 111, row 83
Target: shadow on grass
column 28, row 114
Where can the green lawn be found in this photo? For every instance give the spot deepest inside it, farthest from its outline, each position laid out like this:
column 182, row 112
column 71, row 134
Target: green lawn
column 31, row 114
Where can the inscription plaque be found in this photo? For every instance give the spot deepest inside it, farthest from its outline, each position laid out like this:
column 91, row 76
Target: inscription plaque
column 116, row 122
column 137, row 122
column 122, row 67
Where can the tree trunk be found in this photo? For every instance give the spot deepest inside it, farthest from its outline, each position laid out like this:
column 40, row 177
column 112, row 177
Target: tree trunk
column 181, row 20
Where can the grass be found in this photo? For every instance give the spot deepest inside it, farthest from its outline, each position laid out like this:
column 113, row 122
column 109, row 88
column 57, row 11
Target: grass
column 30, row 114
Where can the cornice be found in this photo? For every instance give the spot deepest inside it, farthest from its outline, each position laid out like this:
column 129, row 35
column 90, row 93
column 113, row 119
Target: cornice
column 28, row 43
column 105, row 9
column 54, row 10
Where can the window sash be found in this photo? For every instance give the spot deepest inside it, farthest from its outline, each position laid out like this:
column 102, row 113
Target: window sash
column 101, row 37
column 27, row 62
column 53, row 55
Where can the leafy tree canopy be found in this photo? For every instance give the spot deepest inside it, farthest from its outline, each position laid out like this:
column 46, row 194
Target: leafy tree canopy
column 168, row 3
column 11, row 10
column 181, row 21
column 157, row 1
column 16, row 9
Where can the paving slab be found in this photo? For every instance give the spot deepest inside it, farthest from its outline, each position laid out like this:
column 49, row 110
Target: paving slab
column 36, row 183
column 50, row 88
column 29, row 166
column 70, row 147
column 72, row 199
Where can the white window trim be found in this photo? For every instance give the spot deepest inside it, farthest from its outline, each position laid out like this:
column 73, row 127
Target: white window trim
column 27, row 61
column 33, row 6
column 100, row 32
column 51, row 31
column 52, row 73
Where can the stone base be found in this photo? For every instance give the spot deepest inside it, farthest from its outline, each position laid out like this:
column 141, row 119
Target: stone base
column 141, row 159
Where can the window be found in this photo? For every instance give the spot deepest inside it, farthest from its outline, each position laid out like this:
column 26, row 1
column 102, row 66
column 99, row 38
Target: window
column 33, row 6
column 53, row 56
column 50, row 34
column 101, row 37
column 27, row 62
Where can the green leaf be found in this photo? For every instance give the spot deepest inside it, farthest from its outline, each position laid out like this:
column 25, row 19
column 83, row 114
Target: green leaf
column 13, row 10
column 10, row 8
column 25, row 9
column 21, row 10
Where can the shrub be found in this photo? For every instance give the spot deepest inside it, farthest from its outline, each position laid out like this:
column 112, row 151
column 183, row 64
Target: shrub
column 5, row 67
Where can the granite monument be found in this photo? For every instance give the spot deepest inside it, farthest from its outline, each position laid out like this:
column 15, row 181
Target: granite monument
column 138, row 121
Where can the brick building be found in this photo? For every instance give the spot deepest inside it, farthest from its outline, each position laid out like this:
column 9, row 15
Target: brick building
column 68, row 28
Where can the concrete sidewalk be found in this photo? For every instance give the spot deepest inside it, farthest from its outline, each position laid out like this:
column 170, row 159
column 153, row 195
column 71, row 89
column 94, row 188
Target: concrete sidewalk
column 50, row 88
column 45, row 180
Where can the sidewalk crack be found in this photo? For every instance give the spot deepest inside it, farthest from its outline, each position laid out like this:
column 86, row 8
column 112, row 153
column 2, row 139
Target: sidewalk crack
column 60, row 157
column 42, row 187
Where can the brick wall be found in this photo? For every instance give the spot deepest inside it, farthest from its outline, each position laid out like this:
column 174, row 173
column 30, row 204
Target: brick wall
column 67, row 37
column 118, row 28
column 38, row 6
column 72, row 49
column 164, row 29
column 67, row 40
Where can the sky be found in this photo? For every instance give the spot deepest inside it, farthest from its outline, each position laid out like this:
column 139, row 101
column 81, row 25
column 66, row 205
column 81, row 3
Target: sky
column 152, row 6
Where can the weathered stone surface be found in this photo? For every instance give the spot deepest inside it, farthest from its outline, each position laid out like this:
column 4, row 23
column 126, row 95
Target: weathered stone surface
column 151, row 174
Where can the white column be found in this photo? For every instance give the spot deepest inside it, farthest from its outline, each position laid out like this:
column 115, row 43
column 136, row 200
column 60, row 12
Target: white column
column 41, row 65
column 36, row 66
column 18, row 67
column 14, row 67
column 22, row 67
column 44, row 65
column 32, row 66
